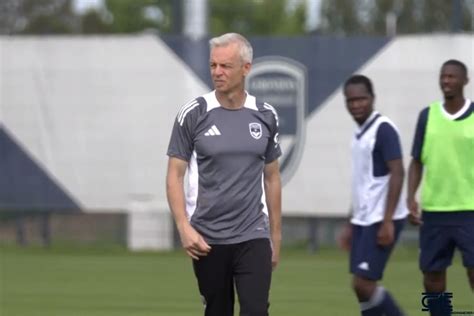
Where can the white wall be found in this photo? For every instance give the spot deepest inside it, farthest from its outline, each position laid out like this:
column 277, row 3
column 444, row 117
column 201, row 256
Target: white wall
column 405, row 77
column 96, row 114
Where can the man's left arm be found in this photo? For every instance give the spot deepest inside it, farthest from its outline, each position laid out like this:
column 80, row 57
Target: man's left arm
column 272, row 183
column 386, row 234
column 391, row 150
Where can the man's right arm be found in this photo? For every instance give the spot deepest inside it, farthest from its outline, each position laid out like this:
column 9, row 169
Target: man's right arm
column 415, row 169
column 193, row 243
column 344, row 238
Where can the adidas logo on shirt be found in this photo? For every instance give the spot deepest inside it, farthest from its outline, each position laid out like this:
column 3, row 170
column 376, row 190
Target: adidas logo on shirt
column 364, row 266
column 213, row 131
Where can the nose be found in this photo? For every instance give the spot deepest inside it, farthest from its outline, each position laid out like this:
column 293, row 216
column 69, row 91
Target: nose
column 445, row 79
column 354, row 104
column 218, row 70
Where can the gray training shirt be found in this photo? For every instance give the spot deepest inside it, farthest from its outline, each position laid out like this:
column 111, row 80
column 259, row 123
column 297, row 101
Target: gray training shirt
column 226, row 151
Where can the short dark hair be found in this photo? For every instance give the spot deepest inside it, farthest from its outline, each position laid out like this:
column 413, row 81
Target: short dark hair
column 360, row 79
column 455, row 62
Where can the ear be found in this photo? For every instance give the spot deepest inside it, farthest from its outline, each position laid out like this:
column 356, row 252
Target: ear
column 466, row 81
column 247, row 67
column 372, row 97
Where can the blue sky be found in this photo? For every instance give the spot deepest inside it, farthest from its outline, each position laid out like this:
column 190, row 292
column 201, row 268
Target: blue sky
column 83, row 5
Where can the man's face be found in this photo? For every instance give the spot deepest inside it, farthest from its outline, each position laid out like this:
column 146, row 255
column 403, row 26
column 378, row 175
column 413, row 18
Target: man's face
column 359, row 102
column 452, row 80
column 227, row 68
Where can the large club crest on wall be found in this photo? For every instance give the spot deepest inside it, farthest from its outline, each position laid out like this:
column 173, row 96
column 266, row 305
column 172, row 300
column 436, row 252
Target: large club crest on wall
column 282, row 82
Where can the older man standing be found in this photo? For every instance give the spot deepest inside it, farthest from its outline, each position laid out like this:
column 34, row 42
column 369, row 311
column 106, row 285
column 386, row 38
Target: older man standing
column 229, row 221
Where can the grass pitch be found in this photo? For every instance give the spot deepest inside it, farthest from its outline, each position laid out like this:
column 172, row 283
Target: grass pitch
column 114, row 282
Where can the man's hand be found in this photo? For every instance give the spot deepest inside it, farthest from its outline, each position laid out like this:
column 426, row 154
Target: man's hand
column 386, row 234
column 345, row 237
column 275, row 252
column 193, row 243
column 414, row 217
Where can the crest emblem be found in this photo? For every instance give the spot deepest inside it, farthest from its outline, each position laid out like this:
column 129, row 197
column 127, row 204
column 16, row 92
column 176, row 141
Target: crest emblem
column 255, row 130
column 281, row 82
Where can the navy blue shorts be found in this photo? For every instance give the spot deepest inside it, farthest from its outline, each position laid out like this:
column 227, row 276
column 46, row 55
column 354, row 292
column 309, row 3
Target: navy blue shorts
column 368, row 259
column 438, row 242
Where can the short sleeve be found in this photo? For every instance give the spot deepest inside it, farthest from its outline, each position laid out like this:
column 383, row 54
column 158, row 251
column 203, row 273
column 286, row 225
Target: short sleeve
column 388, row 142
column 181, row 143
column 419, row 134
column 273, row 150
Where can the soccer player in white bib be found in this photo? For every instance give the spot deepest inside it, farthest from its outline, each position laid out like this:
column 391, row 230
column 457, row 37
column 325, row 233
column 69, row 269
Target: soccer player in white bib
column 229, row 221
column 378, row 212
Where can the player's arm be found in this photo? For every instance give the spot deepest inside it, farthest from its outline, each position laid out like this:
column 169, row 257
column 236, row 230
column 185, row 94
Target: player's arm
column 415, row 169
column 180, row 150
column 386, row 234
column 415, row 172
column 388, row 143
column 395, row 185
column 272, row 184
column 192, row 241
column 344, row 238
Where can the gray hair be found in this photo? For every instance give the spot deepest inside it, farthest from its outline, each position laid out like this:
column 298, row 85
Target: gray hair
column 246, row 50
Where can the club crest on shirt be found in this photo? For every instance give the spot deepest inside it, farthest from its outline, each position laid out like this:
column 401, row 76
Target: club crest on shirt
column 255, row 130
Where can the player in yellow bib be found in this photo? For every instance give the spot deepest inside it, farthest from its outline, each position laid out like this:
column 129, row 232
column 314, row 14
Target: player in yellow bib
column 443, row 155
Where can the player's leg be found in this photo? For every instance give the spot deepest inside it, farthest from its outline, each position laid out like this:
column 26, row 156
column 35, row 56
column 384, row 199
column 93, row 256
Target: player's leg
column 437, row 249
column 363, row 288
column 435, row 284
column 464, row 237
column 368, row 261
column 434, row 281
column 252, row 273
column 374, row 300
column 470, row 276
column 215, row 281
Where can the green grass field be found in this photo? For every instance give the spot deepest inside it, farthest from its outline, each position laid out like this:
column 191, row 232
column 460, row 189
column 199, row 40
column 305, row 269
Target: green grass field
column 102, row 281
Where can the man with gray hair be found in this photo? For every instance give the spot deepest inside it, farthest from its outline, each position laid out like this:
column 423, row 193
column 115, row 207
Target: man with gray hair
column 229, row 218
